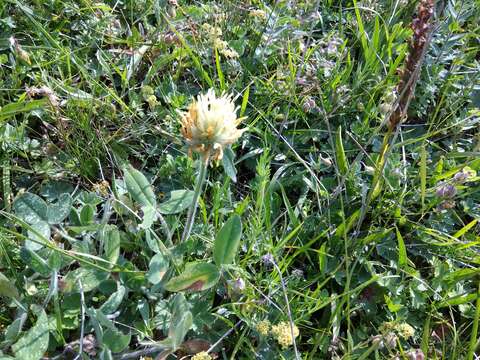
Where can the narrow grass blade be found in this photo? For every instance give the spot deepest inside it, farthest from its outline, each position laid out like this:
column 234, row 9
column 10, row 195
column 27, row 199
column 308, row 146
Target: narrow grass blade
column 340, row 153
column 245, row 101
column 221, row 78
column 423, row 175
column 465, row 229
column 402, row 251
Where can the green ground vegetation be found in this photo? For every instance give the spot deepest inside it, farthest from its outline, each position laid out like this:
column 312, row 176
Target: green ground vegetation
column 322, row 222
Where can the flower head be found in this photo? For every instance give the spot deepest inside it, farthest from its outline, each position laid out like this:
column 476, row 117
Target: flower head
column 387, row 327
column 445, row 190
column 238, row 285
column 415, row 354
column 378, row 341
column 201, row 356
column 283, row 333
column 210, row 124
column 405, row 330
column 267, row 259
column 263, row 327
column 465, row 175
column 258, row 13
column 390, row 340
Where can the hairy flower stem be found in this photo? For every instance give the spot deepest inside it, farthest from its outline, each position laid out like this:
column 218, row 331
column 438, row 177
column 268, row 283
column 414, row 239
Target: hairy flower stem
column 198, row 189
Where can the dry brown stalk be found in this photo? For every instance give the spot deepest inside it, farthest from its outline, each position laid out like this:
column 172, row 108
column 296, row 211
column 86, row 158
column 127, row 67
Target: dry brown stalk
column 422, row 26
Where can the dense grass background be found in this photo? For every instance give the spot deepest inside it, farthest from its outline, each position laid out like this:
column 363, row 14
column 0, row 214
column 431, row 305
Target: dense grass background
column 88, row 87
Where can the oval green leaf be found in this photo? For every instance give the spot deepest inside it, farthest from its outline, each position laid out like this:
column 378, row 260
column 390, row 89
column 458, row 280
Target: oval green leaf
column 37, row 236
column 157, row 269
column 58, row 211
column 196, row 277
column 179, row 200
column 228, row 162
column 7, row 288
column 90, row 279
column 181, row 322
column 227, row 241
column 111, row 244
column 139, row 187
column 114, row 301
column 34, row 343
column 31, row 208
column 115, row 340
column 35, row 261
column 87, row 214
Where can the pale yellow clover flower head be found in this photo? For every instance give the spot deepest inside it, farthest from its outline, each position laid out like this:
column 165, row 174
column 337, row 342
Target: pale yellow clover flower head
column 263, row 327
column 210, row 124
column 283, row 333
column 405, row 330
column 258, row 13
column 201, row 356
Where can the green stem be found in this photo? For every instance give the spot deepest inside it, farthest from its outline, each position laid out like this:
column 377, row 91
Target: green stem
column 6, row 186
column 473, row 336
column 426, row 334
column 370, row 350
column 198, row 189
